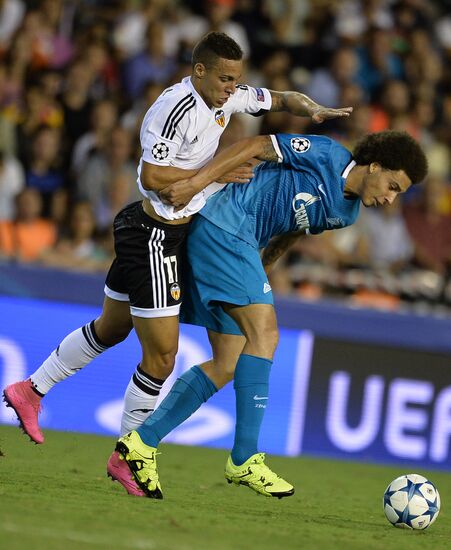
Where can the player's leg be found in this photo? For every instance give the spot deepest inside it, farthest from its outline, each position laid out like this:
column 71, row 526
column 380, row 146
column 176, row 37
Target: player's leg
column 251, row 379
column 239, row 280
column 150, row 255
column 159, row 341
column 191, row 389
column 194, row 387
column 158, row 337
column 251, row 383
column 73, row 353
column 84, row 344
column 226, row 349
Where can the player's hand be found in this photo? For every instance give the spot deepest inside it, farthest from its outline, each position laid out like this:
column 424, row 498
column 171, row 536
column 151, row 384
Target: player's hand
column 243, row 174
column 180, row 193
column 325, row 113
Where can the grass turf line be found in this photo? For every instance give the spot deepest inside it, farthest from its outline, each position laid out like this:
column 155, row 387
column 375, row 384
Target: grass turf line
column 57, row 496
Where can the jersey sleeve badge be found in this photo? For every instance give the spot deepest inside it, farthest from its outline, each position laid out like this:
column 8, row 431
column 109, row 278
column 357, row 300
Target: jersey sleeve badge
column 160, row 151
column 260, row 94
column 300, row 144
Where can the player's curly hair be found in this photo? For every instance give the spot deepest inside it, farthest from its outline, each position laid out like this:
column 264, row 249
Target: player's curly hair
column 213, row 46
column 393, row 150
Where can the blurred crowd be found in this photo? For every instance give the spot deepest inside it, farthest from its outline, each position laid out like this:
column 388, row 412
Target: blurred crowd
column 76, row 78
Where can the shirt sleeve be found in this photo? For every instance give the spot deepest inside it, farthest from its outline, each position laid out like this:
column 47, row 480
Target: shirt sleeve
column 254, row 101
column 300, row 150
column 164, row 128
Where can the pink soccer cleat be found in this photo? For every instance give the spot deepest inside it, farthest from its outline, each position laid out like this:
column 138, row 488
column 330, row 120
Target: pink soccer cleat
column 118, row 470
column 27, row 405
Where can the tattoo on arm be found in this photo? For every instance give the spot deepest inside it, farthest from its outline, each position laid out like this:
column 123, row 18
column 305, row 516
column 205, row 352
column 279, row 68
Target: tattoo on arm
column 293, row 102
column 268, row 152
column 278, row 245
column 278, row 101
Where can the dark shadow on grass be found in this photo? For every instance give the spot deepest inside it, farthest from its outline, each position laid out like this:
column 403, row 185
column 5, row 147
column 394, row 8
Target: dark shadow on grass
column 337, row 521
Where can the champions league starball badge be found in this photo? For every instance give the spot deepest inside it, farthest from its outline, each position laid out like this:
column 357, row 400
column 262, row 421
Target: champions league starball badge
column 160, row 151
column 300, row 144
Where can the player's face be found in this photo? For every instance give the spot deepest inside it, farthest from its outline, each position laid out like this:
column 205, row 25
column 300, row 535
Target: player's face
column 217, row 83
column 381, row 186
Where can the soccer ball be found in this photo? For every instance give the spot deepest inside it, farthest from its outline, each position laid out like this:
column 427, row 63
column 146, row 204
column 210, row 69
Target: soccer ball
column 411, row 502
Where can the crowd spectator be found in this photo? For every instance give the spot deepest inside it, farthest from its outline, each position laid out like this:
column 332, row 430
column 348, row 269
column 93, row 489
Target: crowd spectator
column 12, row 181
column 44, row 170
column 150, row 65
column 326, row 83
column 76, row 79
column 95, row 179
column 11, row 15
column 428, row 220
column 78, row 249
column 104, row 117
column 28, row 234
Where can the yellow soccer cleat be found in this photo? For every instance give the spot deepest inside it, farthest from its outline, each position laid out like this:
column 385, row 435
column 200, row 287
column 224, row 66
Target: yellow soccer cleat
column 255, row 474
column 141, row 460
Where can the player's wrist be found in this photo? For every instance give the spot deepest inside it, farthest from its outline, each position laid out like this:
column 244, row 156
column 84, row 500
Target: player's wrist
column 313, row 109
column 197, row 183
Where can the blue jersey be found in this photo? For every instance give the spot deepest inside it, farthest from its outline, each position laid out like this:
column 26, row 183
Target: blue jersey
column 304, row 192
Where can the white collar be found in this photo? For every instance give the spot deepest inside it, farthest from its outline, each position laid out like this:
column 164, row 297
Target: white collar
column 348, row 168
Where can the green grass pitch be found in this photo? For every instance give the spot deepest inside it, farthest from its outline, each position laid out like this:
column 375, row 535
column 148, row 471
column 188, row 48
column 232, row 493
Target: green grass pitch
column 57, row 496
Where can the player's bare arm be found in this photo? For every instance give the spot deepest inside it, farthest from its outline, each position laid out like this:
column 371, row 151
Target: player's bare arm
column 301, row 105
column 260, row 147
column 277, row 246
column 155, row 178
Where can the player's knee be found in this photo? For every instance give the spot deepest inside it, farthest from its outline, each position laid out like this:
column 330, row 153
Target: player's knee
column 264, row 340
column 227, row 375
column 222, row 375
column 112, row 334
column 159, row 365
column 273, row 337
column 221, row 378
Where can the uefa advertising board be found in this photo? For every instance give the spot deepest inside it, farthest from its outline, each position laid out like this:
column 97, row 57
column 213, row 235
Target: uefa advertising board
column 327, row 397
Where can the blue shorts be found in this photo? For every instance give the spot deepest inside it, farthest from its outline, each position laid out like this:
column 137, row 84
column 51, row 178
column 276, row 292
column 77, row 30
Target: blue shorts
column 221, row 268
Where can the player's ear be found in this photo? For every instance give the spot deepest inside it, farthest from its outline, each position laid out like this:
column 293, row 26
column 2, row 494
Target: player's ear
column 374, row 167
column 200, row 70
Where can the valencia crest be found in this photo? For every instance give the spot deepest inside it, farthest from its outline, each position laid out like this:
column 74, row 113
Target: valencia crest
column 175, row 291
column 220, row 118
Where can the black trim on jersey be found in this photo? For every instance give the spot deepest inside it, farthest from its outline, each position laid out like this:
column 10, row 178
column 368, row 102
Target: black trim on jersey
column 175, row 112
column 242, row 87
column 261, row 112
column 190, row 106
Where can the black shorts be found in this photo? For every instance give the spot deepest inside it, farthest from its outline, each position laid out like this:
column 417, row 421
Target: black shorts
column 148, row 264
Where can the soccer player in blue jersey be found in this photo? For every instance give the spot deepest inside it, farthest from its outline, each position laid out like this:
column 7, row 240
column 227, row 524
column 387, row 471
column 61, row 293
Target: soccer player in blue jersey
column 312, row 184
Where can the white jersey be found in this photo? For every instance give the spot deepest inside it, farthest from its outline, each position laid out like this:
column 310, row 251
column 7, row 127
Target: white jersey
column 180, row 130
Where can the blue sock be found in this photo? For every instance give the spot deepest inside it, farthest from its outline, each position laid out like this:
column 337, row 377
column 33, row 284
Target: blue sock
column 186, row 395
column 251, row 385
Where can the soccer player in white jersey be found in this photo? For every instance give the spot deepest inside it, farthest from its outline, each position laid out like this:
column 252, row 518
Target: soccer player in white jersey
column 180, row 134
